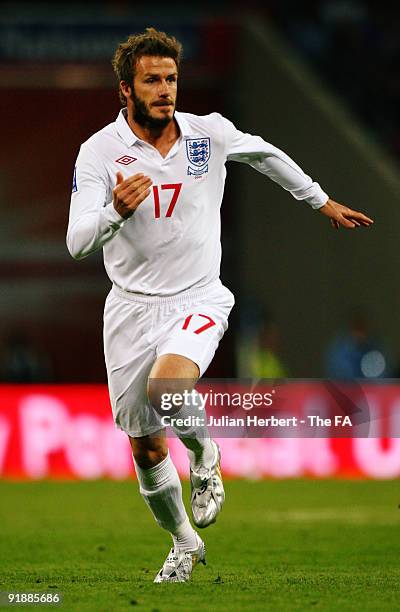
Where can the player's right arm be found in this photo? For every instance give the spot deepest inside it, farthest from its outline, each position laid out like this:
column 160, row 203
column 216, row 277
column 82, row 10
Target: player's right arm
column 99, row 210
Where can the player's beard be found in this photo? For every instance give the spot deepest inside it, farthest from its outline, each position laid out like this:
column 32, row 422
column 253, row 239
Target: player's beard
column 142, row 115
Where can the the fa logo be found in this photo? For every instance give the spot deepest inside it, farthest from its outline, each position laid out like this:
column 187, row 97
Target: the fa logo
column 198, row 154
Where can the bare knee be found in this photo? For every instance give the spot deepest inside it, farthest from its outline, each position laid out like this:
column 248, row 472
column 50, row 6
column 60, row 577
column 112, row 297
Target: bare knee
column 149, row 450
column 171, row 375
column 160, row 392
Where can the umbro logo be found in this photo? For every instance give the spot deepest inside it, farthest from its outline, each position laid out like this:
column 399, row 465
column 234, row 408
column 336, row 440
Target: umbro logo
column 126, row 160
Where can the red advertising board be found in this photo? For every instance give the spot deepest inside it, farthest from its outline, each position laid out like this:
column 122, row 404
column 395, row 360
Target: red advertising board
column 66, row 431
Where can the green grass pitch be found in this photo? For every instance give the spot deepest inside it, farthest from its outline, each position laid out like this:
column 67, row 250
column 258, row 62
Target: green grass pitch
column 278, row 545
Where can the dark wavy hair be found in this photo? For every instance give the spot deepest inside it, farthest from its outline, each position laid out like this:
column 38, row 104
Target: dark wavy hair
column 151, row 42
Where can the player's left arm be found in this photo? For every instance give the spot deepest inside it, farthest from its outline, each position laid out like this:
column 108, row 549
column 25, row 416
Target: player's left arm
column 279, row 167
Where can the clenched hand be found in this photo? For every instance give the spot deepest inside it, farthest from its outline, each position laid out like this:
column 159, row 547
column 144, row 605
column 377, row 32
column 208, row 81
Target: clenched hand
column 129, row 193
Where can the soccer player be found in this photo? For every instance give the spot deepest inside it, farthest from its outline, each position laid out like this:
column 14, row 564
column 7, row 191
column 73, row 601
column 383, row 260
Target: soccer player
column 147, row 189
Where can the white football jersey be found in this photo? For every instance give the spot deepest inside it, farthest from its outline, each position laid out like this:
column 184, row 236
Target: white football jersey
column 172, row 241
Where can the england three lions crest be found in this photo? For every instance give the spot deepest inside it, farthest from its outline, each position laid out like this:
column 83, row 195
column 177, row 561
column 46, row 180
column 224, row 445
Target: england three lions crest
column 198, row 154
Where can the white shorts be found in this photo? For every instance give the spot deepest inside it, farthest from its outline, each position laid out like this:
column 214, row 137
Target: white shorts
column 138, row 329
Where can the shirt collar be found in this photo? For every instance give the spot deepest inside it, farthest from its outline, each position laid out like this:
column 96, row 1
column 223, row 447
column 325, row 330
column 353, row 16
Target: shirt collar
column 129, row 137
column 183, row 124
column 123, row 128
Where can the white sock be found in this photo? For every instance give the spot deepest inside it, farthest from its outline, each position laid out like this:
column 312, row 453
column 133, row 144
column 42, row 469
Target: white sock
column 162, row 491
column 205, row 455
column 196, row 438
column 185, row 537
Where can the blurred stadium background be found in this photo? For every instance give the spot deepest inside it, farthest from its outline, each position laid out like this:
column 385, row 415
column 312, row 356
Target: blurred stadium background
column 317, row 79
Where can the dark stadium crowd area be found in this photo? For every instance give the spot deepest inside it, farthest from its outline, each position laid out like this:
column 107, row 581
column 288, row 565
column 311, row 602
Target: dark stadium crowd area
column 57, row 56
column 355, row 47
